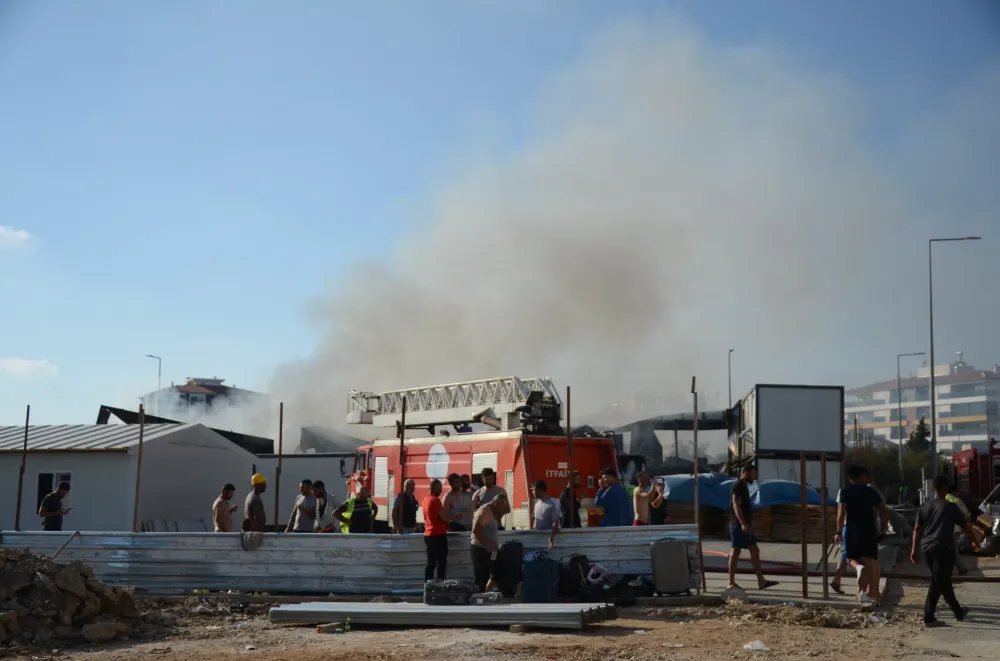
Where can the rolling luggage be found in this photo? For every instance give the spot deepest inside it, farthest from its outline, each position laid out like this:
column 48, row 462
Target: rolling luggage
column 508, row 567
column 448, row 592
column 671, row 572
column 573, row 571
column 541, row 581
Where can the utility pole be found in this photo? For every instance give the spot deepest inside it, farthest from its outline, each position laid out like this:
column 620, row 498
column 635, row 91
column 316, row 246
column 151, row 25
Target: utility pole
column 933, row 394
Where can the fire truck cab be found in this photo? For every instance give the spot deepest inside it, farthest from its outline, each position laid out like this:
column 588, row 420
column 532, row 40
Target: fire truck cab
column 523, row 442
column 977, row 473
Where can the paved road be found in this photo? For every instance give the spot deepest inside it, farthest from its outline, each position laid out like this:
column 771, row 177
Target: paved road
column 976, row 638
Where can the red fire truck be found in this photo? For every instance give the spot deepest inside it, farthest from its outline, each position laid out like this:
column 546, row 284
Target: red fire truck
column 977, row 473
column 523, row 441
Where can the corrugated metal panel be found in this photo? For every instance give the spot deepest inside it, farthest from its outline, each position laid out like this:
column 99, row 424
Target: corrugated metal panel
column 541, row 616
column 342, row 564
column 82, row 437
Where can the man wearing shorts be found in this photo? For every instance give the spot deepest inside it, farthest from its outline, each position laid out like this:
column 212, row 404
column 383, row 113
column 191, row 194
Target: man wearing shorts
column 841, row 566
column 741, row 529
column 857, row 509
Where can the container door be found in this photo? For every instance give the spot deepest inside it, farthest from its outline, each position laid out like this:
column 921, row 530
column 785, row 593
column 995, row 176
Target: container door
column 509, row 521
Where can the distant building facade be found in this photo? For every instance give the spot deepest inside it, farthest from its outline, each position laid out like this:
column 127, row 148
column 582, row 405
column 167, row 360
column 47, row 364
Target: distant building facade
column 968, row 405
column 212, row 402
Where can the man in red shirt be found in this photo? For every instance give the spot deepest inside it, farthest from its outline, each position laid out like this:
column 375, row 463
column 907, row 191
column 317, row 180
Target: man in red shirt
column 435, row 532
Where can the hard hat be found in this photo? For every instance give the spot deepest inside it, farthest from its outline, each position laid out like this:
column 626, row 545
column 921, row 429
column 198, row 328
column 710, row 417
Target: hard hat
column 258, row 479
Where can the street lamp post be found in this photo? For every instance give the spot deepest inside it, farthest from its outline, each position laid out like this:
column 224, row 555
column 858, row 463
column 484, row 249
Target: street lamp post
column 159, row 377
column 930, row 287
column 729, row 403
column 899, row 408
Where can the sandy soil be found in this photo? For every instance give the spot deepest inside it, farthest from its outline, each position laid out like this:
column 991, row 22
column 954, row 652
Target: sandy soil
column 679, row 634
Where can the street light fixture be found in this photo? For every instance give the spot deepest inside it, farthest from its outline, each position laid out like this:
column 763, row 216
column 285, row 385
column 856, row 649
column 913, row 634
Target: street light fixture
column 930, row 287
column 899, row 408
column 729, row 403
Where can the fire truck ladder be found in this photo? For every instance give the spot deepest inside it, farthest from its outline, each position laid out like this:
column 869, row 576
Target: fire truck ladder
column 500, row 403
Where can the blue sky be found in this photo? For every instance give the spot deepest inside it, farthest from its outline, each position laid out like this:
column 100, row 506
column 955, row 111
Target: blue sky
column 191, row 174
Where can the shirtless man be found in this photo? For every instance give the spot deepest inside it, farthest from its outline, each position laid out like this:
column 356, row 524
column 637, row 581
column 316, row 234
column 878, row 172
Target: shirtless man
column 640, row 500
column 486, row 541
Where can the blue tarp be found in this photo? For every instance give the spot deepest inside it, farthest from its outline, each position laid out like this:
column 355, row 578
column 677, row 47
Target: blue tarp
column 716, row 491
column 680, row 489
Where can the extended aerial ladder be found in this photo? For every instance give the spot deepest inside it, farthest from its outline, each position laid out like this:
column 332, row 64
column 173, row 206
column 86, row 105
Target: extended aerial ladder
column 502, row 403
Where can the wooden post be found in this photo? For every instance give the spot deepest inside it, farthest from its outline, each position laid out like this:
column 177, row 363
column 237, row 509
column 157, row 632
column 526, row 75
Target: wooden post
column 402, row 453
column 802, row 526
column 569, row 449
column 826, row 532
column 24, row 462
column 138, row 469
column 277, row 469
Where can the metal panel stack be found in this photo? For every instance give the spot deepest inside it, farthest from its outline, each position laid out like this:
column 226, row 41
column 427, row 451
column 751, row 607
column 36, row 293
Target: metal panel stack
column 539, row 616
column 166, row 563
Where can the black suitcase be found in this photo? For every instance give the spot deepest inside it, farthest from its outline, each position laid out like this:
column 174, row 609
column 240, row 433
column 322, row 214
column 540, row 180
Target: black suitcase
column 448, row 592
column 541, row 582
column 508, row 567
column 573, row 572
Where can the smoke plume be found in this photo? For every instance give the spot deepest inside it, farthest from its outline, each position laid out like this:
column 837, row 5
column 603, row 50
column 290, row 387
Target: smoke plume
column 675, row 201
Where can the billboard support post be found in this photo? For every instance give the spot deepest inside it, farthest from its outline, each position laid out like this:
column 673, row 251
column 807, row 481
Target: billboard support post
column 802, row 525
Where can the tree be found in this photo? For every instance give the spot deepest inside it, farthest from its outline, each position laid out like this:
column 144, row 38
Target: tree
column 920, row 438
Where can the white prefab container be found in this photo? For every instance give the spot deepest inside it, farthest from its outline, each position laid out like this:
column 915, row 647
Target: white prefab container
column 780, row 422
column 333, row 469
column 184, row 467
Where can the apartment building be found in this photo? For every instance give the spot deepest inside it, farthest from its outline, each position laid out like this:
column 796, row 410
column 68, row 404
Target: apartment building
column 212, row 402
column 968, row 405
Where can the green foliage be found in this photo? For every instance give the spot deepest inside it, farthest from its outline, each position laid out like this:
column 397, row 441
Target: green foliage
column 920, row 438
column 883, row 466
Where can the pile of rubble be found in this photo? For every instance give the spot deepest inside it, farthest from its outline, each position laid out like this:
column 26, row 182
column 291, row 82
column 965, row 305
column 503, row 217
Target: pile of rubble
column 45, row 604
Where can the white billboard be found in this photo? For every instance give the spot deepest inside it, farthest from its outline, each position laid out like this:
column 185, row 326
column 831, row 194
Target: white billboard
column 798, row 418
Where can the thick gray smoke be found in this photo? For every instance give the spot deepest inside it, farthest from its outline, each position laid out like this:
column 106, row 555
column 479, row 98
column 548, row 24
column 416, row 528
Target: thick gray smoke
column 677, row 201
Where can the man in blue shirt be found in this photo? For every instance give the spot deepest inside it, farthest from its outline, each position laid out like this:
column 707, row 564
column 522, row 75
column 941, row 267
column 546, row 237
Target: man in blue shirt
column 613, row 499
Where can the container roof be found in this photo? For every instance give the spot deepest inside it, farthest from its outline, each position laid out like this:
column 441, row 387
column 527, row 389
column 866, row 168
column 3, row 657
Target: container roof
column 77, row 438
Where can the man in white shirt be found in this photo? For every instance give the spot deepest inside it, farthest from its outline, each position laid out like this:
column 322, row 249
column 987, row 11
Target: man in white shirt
column 548, row 512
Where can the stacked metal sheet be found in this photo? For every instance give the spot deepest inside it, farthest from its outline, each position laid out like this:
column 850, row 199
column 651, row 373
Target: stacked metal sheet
column 538, row 616
column 165, row 563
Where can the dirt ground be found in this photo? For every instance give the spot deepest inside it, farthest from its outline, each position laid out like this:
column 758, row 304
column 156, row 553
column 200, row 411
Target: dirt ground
column 640, row 633
column 216, row 630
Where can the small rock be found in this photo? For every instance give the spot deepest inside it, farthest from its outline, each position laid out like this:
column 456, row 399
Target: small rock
column 737, row 595
column 517, row 628
column 100, row 632
column 250, row 648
